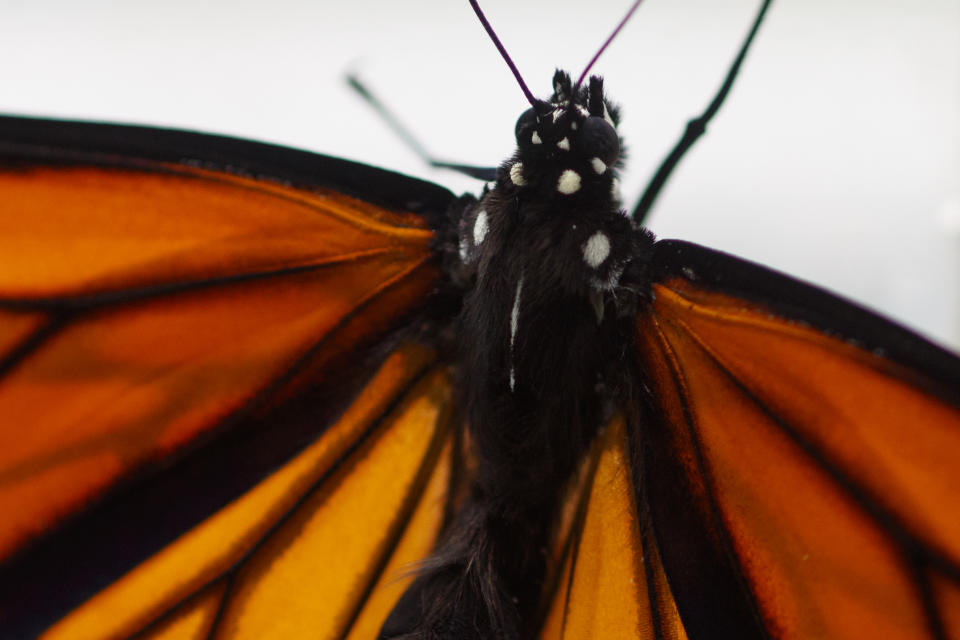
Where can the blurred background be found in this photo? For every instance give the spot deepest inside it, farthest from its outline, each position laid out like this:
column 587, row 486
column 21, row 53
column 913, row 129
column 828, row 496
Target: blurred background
column 836, row 157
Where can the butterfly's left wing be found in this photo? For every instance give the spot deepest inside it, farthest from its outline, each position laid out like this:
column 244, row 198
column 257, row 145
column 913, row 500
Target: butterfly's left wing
column 210, row 423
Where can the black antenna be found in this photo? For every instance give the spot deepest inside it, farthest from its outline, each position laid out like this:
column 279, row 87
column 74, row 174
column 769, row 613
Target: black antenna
column 503, row 53
column 606, row 44
column 697, row 126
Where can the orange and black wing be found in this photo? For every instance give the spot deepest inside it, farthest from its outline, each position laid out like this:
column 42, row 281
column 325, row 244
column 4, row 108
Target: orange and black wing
column 210, row 422
column 788, row 468
column 609, row 580
column 798, row 457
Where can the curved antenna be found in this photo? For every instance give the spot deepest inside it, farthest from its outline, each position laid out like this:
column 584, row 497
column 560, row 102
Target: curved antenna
column 606, row 44
column 503, row 53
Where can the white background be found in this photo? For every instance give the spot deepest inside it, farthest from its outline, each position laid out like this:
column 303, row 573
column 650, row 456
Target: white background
column 836, row 158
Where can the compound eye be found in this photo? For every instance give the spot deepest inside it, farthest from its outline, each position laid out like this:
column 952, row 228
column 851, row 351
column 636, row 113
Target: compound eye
column 598, row 139
column 526, row 126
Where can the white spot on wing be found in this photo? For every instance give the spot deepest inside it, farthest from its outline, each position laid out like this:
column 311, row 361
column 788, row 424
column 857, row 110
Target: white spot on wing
column 480, row 227
column 516, row 174
column 564, row 144
column 569, row 182
column 596, row 249
column 598, row 165
column 535, row 138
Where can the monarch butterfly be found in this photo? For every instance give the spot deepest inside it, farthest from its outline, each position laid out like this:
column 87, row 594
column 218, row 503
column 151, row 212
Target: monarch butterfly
column 408, row 390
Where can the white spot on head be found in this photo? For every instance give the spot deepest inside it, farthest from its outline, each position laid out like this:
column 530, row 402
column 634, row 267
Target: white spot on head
column 535, row 138
column 516, row 174
column 596, row 249
column 606, row 116
column 480, row 227
column 569, row 182
column 564, row 144
column 598, row 165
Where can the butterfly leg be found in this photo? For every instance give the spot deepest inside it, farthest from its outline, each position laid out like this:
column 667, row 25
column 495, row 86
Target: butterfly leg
column 480, row 173
column 697, row 126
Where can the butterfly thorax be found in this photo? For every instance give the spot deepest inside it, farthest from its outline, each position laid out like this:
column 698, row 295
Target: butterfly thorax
column 549, row 245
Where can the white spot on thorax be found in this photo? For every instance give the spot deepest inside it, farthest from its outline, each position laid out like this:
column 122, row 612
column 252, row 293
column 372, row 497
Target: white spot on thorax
column 514, row 321
column 464, row 248
column 535, row 138
column 564, row 144
column 480, row 227
column 516, row 174
column 596, row 249
column 598, row 165
column 569, row 182
column 556, row 114
column 515, row 312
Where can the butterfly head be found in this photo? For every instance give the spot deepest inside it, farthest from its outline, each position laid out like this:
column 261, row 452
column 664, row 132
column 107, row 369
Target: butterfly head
column 568, row 146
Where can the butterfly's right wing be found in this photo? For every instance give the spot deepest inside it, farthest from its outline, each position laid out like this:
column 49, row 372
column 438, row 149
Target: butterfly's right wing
column 801, row 457
column 610, row 582
column 792, row 473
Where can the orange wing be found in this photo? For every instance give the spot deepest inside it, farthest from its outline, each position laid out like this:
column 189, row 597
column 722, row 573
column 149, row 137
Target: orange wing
column 172, row 332
column 610, row 583
column 802, row 485
column 319, row 548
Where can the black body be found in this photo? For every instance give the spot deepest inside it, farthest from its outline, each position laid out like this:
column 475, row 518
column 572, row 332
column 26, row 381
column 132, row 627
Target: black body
column 554, row 272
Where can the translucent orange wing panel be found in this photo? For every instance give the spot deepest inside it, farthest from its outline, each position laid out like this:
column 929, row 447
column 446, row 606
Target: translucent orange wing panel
column 829, row 472
column 612, row 584
column 320, row 549
column 140, row 309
